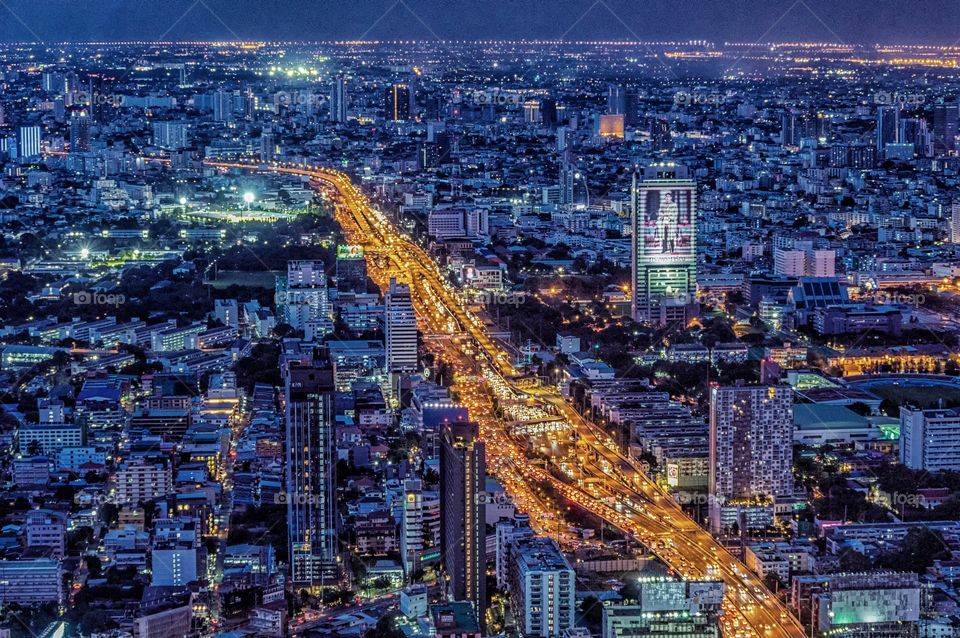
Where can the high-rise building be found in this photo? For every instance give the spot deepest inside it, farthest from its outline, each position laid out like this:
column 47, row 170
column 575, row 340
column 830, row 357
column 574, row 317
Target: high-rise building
column 888, row 127
column 80, row 133
column 542, row 588
column 398, row 102
column 463, row 469
column 310, row 474
column 222, row 106
column 171, row 135
column 930, row 439
column 28, row 142
column 660, row 137
column 338, row 100
column 664, row 247
column 419, row 524
column 548, row 112
column 915, row 131
column 945, row 126
column 306, row 300
column 751, row 444
column 955, row 222
column 616, row 99
column 400, row 330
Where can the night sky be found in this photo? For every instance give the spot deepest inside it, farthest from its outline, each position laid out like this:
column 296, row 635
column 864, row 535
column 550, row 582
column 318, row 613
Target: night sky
column 849, row 21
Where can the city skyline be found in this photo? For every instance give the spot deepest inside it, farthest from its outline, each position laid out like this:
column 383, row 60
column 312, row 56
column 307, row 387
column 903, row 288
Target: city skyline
column 430, row 20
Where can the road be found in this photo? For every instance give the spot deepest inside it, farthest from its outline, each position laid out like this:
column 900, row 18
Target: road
column 625, row 496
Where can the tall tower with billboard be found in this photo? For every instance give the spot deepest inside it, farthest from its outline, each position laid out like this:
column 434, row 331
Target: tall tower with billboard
column 664, row 245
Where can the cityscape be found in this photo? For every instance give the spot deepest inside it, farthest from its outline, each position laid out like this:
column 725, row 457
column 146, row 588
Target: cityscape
column 582, row 336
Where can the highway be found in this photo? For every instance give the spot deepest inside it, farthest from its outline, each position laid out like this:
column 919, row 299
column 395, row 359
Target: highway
column 621, row 492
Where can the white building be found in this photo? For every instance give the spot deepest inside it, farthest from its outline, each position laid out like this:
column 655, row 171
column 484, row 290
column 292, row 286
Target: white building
column 930, row 439
column 543, row 589
column 171, row 135
column 46, row 528
column 139, row 480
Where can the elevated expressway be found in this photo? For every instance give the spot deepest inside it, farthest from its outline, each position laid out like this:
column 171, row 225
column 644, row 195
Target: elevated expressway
column 619, row 492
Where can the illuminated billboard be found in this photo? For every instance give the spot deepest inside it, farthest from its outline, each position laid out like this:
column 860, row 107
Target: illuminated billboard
column 666, row 220
column 347, row 251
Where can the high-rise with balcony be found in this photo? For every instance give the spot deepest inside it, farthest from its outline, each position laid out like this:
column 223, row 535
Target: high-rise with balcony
column 463, row 469
column 751, row 444
column 310, row 473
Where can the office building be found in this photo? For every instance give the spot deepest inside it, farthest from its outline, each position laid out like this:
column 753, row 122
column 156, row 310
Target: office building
column 462, row 513
column 945, row 127
column 398, row 102
column 338, row 100
column 888, row 127
column 664, row 258
column 222, row 106
column 542, row 588
column 751, row 445
column 930, row 439
column 80, row 133
column 310, row 474
column 400, row 331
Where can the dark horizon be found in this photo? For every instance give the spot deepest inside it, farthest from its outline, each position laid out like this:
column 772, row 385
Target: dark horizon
column 857, row 22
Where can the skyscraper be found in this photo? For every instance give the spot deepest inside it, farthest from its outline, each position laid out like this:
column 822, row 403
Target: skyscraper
column 945, row 126
column 338, row 100
column 888, row 127
column 616, row 99
column 664, row 246
column 462, row 520
column 80, row 133
column 751, row 444
column 310, row 474
column 222, row 106
column 398, row 102
column 400, row 331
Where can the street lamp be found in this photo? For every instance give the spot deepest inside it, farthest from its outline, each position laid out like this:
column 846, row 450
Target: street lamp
column 248, row 197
